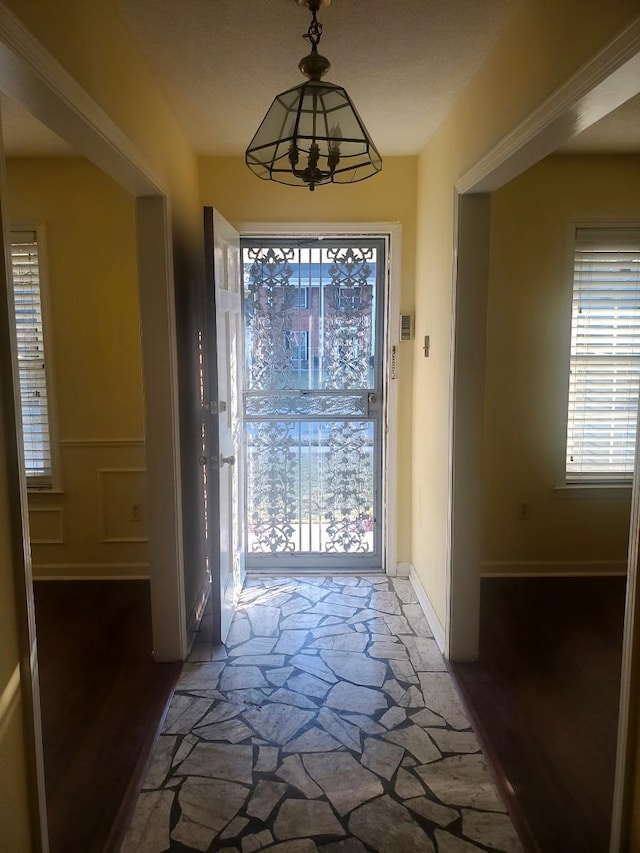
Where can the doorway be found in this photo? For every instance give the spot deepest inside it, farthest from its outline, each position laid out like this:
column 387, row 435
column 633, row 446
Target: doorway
column 314, row 395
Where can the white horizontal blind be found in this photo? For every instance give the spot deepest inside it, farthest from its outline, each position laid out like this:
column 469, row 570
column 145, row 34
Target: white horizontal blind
column 31, row 357
column 605, row 355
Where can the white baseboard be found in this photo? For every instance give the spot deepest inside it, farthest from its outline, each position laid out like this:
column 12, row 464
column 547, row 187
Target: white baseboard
column 552, row 568
column 427, row 608
column 403, row 569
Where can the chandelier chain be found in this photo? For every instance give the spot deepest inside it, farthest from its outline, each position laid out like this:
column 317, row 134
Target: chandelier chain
column 314, row 33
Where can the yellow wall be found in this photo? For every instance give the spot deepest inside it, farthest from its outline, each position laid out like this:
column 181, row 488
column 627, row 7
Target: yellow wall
column 227, row 185
column 542, row 46
column 527, row 369
column 89, row 260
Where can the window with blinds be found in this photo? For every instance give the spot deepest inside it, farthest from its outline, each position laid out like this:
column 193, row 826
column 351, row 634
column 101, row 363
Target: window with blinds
column 31, row 357
column 604, row 375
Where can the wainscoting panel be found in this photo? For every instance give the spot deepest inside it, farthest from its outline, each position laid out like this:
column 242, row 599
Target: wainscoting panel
column 96, row 519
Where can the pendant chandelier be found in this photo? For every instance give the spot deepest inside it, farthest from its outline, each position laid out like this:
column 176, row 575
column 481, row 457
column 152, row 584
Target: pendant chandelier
column 312, row 133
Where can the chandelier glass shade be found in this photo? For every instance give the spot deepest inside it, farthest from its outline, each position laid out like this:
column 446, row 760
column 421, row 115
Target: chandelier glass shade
column 312, row 134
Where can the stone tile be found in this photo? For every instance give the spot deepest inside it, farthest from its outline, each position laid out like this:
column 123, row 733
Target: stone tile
column 352, row 642
column 149, row 828
column 394, row 689
column 233, row 731
column 361, row 700
column 393, row 717
column 313, row 593
column 219, row 761
column 279, row 676
column 344, row 599
column 462, row 780
column 449, row 741
column 331, row 620
column 344, row 781
column 413, row 698
column 388, row 651
column 299, row 845
column 267, row 759
column 381, row 757
column 264, row 619
column 276, row 722
column 239, row 632
column 364, row 615
column 414, row 615
column 388, row 827
column 211, row 802
column 491, row 830
column 295, row 605
column 427, row 718
column 234, row 828
column 386, row 602
column 302, row 818
column 349, row 845
column 193, row 835
column 346, row 580
column 184, row 713
column 251, row 843
column 424, row 654
column 416, row 741
column 332, row 609
column 199, row 676
column 407, row 785
column 292, row 771
column 356, row 667
column 188, row 742
column 314, row 666
column 160, row 763
column 403, row 588
column 436, row 813
column 266, row 796
column 256, row 646
column 331, row 630
column 441, row 697
column 346, row 733
column 403, row 671
column 361, row 627
column 290, row 642
column 448, row 843
column 313, row 740
column 365, row 723
column 308, row 685
column 396, row 624
column 290, row 697
column 379, row 627
column 219, row 712
column 301, row 620
column 274, row 661
column 249, row 697
column 241, row 677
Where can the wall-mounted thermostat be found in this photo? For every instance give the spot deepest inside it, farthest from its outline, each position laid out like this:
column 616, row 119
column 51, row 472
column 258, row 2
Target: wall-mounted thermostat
column 406, row 327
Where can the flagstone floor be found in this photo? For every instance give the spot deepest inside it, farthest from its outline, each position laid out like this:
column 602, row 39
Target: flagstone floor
column 327, row 723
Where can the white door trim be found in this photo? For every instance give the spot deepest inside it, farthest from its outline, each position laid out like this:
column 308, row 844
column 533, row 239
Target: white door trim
column 607, row 80
column 392, row 231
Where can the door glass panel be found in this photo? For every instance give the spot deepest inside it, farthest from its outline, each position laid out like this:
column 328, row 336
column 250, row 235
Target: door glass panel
column 312, row 399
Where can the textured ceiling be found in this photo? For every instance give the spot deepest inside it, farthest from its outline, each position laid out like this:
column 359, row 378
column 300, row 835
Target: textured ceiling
column 221, row 62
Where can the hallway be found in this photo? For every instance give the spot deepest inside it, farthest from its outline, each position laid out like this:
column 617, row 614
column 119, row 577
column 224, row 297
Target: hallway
column 328, row 723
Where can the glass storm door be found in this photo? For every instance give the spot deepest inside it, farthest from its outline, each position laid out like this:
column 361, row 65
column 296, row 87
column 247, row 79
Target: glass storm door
column 313, row 315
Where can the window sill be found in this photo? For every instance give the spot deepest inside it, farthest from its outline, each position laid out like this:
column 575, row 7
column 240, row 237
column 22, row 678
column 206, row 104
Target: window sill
column 42, row 493
column 597, row 491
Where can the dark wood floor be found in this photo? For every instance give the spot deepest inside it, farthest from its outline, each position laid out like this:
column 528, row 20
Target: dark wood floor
column 103, row 699
column 544, row 697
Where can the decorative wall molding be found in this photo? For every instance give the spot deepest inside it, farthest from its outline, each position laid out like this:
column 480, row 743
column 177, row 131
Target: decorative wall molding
column 102, row 442
column 111, row 516
column 434, row 623
column 42, row 510
column 551, row 568
column 78, row 571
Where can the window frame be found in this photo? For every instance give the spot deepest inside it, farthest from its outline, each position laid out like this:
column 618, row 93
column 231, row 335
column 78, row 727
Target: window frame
column 41, row 485
column 616, row 484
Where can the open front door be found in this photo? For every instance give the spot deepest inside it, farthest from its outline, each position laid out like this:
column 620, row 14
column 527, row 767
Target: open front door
column 222, row 418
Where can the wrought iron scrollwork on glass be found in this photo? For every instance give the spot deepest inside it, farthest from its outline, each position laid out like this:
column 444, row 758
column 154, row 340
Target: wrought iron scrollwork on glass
column 348, row 487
